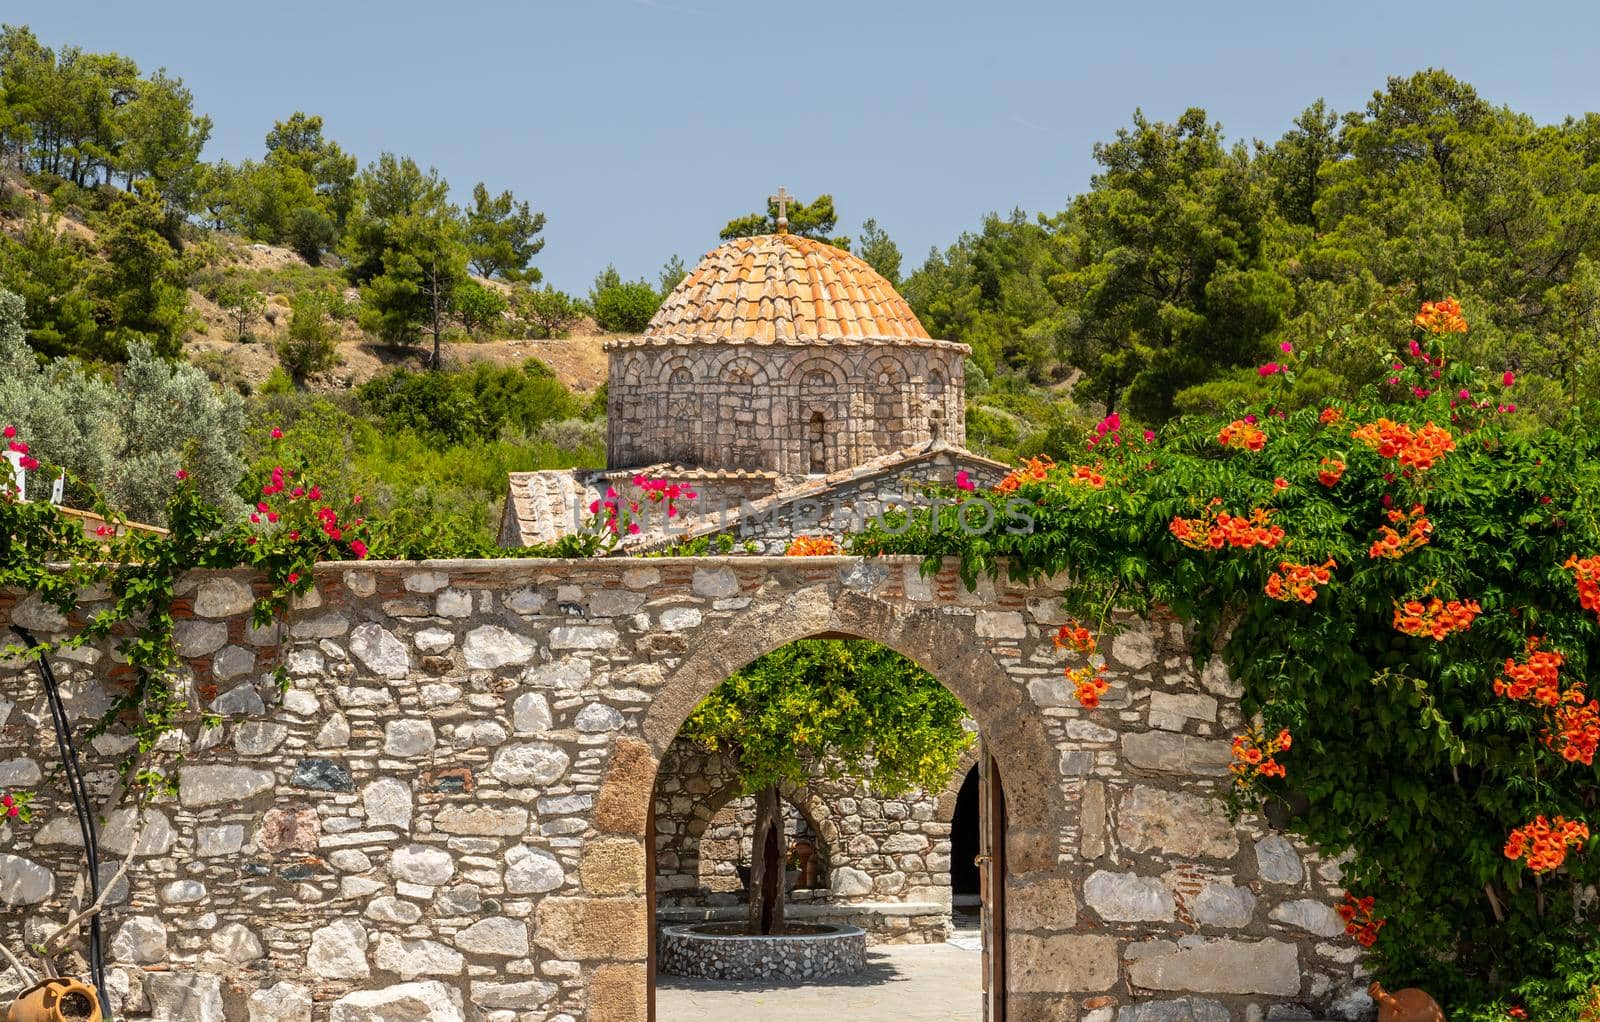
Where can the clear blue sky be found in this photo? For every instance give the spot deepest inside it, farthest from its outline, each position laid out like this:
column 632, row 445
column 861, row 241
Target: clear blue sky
column 641, row 126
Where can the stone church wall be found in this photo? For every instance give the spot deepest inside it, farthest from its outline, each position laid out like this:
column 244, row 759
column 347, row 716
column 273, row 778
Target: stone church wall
column 796, row 409
column 448, row 806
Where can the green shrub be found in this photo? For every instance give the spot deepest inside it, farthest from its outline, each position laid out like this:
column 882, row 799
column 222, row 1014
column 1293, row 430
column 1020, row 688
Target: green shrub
column 549, row 313
column 479, row 308
column 622, row 306
column 311, row 345
column 432, row 403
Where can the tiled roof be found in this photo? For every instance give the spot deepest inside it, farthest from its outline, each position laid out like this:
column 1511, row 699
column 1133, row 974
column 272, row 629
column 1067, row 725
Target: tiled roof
column 816, row 486
column 541, row 507
column 780, row 288
column 544, row 506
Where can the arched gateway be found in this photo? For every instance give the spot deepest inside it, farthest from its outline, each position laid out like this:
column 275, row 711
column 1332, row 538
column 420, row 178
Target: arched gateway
column 450, row 804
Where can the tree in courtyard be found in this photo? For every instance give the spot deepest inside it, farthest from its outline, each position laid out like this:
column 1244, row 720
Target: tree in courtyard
column 501, row 236
column 850, row 707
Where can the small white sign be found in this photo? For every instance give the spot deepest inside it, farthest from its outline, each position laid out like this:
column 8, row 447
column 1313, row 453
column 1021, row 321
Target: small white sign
column 18, row 475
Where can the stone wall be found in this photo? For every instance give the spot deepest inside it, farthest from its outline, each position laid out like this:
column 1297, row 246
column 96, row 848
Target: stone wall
column 448, row 806
column 794, row 408
column 884, row 862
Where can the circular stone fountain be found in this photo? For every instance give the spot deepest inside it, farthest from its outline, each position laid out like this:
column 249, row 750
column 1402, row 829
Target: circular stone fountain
column 725, row 951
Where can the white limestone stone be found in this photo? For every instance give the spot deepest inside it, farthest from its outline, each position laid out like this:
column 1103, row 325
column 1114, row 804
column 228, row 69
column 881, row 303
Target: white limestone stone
column 1128, row 897
column 1311, row 915
column 530, row 714
column 421, row 864
column 236, row 943
column 413, row 958
column 335, row 734
column 190, row 996
column 281, row 1002
column 141, row 940
column 423, row 1001
column 387, row 802
column 434, row 640
column 1224, row 905
column 222, row 597
column 496, row 935
column 127, row 832
column 407, row 738
column 532, row 871
column 1277, row 862
column 339, row 951
column 200, row 786
column 533, row 763
column 183, row 892
column 453, row 603
column 489, row 647
column 377, row 648
column 196, row 638
column 598, row 717
column 393, row 910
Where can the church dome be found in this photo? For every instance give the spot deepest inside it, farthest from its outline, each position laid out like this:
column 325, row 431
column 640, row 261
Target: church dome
column 782, row 288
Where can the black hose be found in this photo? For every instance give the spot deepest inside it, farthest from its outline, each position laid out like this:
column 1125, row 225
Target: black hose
column 80, row 801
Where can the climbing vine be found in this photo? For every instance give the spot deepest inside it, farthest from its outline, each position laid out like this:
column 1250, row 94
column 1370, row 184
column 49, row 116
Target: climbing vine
column 1408, row 590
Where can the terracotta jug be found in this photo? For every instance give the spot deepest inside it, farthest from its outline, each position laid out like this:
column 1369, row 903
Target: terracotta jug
column 1411, row 1005
column 62, row 999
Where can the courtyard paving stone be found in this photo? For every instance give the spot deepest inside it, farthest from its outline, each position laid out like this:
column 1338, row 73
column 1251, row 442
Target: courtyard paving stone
column 903, row 983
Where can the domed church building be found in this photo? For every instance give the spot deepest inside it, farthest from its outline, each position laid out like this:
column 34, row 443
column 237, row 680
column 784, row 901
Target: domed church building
column 786, row 383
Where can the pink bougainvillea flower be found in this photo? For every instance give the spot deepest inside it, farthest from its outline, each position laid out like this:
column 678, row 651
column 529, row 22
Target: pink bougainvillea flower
column 1149, row 436
column 28, row 462
column 277, row 434
column 963, row 482
column 183, row 473
column 1285, row 347
column 359, row 549
column 314, row 493
column 10, row 431
column 294, row 577
column 1509, row 378
column 18, row 446
column 1270, row 369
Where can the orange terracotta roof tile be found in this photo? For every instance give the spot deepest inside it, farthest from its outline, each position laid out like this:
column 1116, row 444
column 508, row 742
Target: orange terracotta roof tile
column 783, row 287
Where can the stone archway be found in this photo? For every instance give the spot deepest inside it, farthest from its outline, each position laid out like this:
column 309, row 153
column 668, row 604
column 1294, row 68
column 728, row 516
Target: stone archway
column 1003, row 711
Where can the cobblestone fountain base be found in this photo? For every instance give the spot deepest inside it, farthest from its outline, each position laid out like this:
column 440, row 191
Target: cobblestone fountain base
column 706, row 951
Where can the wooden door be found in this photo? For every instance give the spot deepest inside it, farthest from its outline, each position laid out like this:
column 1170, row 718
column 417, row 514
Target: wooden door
column 650, row 901
column 992, row 876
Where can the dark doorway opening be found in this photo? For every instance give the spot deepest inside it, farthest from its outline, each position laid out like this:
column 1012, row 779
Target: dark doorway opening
column 965, row 827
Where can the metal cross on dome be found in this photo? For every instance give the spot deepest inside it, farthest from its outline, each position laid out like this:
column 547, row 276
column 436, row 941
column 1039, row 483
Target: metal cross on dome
column 782, row 200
